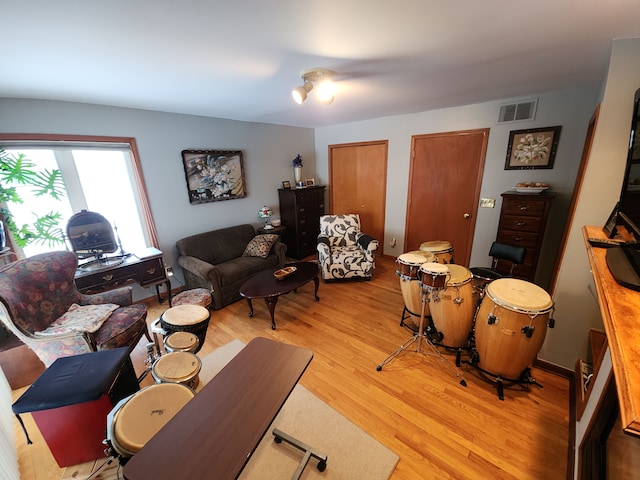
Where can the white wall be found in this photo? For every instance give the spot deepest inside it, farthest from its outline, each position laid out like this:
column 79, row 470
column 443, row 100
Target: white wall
column 160, row 137
column 576, row 304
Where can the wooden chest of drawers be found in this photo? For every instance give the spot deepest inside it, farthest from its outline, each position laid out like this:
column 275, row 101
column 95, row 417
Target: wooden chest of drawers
column 300, row 212
column 523, row 220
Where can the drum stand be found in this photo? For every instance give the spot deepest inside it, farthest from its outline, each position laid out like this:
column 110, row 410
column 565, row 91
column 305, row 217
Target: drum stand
column 420, row 338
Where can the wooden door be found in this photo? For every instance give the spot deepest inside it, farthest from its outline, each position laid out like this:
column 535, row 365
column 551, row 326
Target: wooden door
column 444, row 189
column 358, row 179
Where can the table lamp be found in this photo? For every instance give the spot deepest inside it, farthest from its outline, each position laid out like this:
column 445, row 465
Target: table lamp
column 265, row 212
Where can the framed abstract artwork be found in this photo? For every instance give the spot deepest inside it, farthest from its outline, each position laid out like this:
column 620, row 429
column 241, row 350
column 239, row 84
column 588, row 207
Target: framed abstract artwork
column 533, row 148
column 214, row 175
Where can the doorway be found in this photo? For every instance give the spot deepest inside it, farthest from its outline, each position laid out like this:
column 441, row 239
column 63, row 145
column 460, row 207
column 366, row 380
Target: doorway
column 444, row 189
column 358, row 179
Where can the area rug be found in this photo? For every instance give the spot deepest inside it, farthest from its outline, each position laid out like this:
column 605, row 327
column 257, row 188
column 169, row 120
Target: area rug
column 352, row 454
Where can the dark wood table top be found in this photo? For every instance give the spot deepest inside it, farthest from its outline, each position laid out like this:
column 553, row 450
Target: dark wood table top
column 214, row 435
column 264, row 284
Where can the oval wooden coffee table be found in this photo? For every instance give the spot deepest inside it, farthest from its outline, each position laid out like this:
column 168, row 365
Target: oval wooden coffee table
column 265, row 285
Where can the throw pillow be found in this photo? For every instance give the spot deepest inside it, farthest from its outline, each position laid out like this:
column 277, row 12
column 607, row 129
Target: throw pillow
column 86, row 318
column 260, row 245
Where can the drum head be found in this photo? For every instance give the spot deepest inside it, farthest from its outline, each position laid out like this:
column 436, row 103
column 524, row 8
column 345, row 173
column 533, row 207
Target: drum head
column 415, row 257
column 176, row 367
column 435, row 268
column 436, row 246
column 181, row 341
column 146, row 412
column 519, row 294
column 182, row 315
column 459, row 274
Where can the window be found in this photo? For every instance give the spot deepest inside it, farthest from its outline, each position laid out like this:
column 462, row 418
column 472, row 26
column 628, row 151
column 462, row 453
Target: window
column 100, row 175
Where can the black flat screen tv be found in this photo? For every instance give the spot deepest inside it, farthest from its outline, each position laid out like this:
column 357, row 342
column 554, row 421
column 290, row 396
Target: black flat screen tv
column 624, row 261
column 629, row 206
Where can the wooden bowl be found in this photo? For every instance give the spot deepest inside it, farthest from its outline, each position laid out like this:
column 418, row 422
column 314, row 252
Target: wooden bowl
column 284, row 272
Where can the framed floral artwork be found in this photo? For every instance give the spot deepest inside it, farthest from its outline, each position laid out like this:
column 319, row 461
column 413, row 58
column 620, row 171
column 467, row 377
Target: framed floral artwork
column 533, row 148
column 214, row 175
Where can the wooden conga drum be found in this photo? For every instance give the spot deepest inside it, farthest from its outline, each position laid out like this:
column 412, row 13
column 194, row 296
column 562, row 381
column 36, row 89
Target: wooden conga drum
column 408, row 269
column 511, row 326
column 187, row 318
column 452, row 309
column 442, row 249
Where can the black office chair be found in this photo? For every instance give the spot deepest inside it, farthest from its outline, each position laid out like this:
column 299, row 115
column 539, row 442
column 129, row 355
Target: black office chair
column 499, row 251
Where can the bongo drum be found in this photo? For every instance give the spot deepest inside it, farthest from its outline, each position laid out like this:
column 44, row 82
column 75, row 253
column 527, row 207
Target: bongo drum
column 137, row 418
column 187, row 318
column 452, row 309
column 442, row 249
column 181, row 342
column 511, row 326
column 408, row 268
column 177, row 367
column 433, row 275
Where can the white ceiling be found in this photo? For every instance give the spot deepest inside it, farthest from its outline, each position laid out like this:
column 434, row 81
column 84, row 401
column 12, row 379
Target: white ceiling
column 239, row 59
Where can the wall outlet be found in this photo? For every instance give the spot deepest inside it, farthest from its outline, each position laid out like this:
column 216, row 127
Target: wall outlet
column 487, row 203
column 393, row 242
column 168, row 271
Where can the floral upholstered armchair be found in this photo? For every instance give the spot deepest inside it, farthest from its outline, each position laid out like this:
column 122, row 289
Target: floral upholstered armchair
column 40, row 304
column 343, row 250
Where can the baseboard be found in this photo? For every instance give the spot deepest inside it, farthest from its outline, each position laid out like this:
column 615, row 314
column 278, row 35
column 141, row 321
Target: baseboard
column 553, row 368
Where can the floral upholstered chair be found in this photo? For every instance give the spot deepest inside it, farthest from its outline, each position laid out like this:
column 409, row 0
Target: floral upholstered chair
column 40, row 304
column 343, row 250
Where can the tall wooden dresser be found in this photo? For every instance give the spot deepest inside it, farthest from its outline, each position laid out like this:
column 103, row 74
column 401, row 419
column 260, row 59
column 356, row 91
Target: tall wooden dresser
column 300, row 212
column 523, row 220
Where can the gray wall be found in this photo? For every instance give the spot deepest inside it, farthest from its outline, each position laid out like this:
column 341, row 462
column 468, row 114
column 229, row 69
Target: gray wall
column 160, row 137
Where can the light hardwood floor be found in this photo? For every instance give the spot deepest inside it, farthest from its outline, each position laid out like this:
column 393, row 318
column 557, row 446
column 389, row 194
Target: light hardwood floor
column 414, row 406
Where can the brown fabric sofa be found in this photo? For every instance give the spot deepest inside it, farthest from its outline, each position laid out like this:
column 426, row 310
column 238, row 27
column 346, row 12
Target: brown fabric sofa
column 214, row 260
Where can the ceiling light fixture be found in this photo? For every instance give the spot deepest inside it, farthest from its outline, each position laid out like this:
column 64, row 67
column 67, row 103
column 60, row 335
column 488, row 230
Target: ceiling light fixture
column 322, row 77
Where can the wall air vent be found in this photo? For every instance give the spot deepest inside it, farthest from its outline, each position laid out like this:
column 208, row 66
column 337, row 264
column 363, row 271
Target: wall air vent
column 516, row 112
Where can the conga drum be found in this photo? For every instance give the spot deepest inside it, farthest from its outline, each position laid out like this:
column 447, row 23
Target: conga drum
column 408, row 269
column 442, row 249
column 181, row 342
column 177, row 367
column 511, row 325
column 187, row 318
column 452, row 309
column 137, row 418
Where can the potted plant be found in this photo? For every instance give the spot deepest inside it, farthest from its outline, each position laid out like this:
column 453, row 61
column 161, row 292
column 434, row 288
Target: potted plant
column 18, row 169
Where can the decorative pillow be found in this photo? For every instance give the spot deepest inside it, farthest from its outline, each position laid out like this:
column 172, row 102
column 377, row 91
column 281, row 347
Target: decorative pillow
column 260, row 245
column 86, row 318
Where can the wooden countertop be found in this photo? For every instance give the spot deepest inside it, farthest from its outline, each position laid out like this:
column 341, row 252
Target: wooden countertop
column 620, row 308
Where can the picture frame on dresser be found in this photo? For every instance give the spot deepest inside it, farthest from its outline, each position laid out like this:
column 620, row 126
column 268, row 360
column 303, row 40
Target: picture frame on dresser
column 532, row 148
column 214, row 175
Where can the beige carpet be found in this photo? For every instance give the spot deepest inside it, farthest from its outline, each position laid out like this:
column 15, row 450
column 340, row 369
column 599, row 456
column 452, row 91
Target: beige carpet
column 352, row 453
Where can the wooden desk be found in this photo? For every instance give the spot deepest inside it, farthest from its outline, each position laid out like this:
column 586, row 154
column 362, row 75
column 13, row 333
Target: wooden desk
column 145, row 268
column 214, row 435
column 620, row 309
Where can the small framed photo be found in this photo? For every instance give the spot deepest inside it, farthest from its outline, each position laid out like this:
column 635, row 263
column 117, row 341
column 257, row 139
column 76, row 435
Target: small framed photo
column 286, row 185
column 309, row 182
column 533, row 148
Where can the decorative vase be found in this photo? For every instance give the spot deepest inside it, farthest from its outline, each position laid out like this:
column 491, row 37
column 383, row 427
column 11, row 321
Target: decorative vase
column 297, row 173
